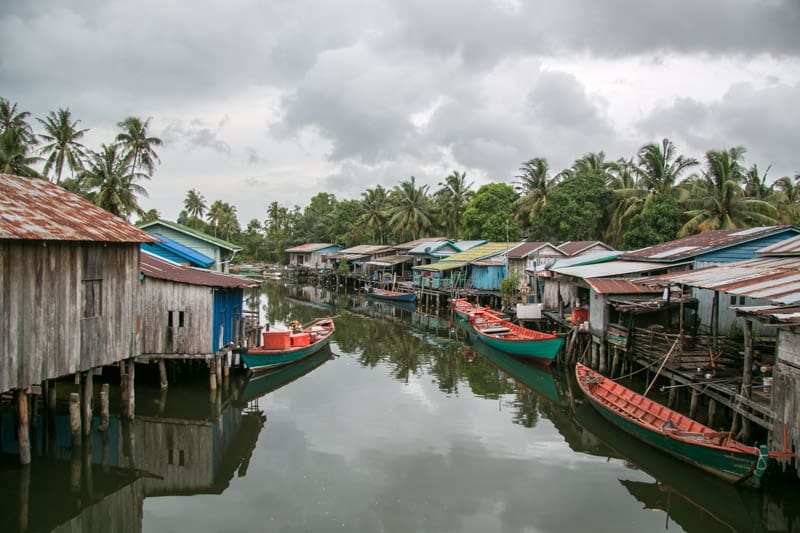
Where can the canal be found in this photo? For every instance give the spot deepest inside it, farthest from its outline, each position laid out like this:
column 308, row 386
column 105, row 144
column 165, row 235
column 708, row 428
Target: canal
column 404, row 425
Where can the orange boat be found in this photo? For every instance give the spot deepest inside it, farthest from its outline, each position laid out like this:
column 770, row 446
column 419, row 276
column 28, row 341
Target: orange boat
column 678, row 435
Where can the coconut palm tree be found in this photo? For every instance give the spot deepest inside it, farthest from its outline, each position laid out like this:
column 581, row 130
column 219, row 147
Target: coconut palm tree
column 134, row 139
column 534, row 183
column 228, row 223
column 15, row 154
column 62, row 143
column 11, row 118
column 109, row 179
column 195, row 206
column 787, row 198
column 629, row 198
column 659, row 168
column 410, row 210
column 215, row 214
column 453, row 198
column 717, row 198
column 374, row 203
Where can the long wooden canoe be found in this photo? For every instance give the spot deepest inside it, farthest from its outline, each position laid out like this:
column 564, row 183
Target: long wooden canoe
column 678, row 435
column 281, row 348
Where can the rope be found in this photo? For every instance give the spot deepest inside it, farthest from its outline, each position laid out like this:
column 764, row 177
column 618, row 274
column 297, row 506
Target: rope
column 661, row 367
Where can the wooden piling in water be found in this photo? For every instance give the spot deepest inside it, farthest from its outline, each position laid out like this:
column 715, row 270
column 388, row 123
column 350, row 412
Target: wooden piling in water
column 104, row 414
column 212, row 374
column 712, row 412
column 127, row 388
column 672, row 401
column 50, row 386
column 162, row 373
column 693, row 404
column 23, row 432
column 75, row 414
column 87, row 389
column 218, row 366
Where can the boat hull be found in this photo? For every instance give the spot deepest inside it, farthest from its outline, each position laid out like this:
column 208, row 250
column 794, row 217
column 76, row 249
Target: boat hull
column 391, row 296
column 262, row 361
column 542, row 350
column 734, row 463
column 284, row 351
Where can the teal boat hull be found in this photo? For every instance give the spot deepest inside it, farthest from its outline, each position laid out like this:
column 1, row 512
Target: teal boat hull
column 264, row 383
column 260, row 362
column 543, row 351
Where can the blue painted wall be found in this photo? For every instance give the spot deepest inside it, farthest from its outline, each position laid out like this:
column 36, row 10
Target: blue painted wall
column 227, row 307
column 487, row 278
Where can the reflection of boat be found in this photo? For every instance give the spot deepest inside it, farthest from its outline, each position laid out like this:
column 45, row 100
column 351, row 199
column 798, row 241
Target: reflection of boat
column 511, row 338
column 284, row 347
column 538, row 378
column 688, row 440
column 392, row 296
column 692, row 498
column 263, row 383
column 406, row 306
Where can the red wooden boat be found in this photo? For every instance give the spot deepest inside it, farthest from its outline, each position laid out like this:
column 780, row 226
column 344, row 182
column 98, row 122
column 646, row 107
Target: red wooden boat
column 678, row 435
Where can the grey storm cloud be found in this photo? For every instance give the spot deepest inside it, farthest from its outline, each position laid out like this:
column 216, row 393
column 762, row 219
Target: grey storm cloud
column 349, row 94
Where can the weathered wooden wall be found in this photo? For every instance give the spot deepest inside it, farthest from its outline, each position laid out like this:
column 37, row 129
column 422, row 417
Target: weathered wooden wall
column 195, row 301
column 786, row 392
column 42, row 306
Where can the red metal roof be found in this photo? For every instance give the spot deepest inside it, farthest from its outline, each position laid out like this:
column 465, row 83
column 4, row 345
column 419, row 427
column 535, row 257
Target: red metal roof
column 619, row 286
column 700, row 243
column 155, row 267
column 35, row 209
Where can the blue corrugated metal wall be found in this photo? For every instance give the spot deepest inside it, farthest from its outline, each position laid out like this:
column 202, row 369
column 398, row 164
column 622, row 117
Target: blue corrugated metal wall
column 487, row 278
column 744, row 251
column 227, row 306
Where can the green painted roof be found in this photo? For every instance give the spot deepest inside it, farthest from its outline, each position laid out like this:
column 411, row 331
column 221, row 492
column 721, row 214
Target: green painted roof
column 195, row 233
column 464, row 258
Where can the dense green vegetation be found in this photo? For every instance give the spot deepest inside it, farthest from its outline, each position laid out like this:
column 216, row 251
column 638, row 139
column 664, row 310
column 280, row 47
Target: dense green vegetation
column 655, row 196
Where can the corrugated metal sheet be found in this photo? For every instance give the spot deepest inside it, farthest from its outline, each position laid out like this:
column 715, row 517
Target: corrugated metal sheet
column 576, row 247
column 186, row 230
column 699, row 244
column 609, row 269
column 309, row 247
column 366, row 249
column 155, row 267
column 391, row 260
column 619, row 286
column 410, row 245
column 463, row 258
column 525, row 249
column 788, row 247
column 35, row 209
column 772, row 279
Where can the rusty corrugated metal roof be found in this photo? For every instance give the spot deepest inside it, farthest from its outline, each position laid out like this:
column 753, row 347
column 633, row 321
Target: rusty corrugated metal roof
column 701, row 243
column 788, row 247
column 35, row 209
column 619, row 286
column 784, row 314
column 154, row 267
column 575, row 247
column 309, row 247
column 524, row 249
column 772, row 279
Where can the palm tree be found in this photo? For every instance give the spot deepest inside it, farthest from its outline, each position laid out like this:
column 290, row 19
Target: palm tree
column 195, row 206
column 410, row 211
column 534, row 184
column 15, row 156
column 453, row 197
column 755, row 184
column 659, row 168
column 215, row 214
column 629, row 199
column 109, row 178
column 374, row 203
column 718, row 200
column 787, row 198
column 62, row 137
column 228, row 222
column 13, row 119
column 135, row 141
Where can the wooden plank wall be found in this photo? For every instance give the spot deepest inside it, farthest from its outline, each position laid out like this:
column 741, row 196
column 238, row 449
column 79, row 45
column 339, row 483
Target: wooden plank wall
column 44, row 333
column 195, row 337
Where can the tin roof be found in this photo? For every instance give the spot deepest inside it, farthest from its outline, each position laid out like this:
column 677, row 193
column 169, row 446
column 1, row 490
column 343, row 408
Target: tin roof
column 609, row 269
column 390, row 260
column 222, row 243
column 35, row 209
column 366, row 249
column 701, row 243
column 413, row 244
column 431, row 247
column 783, row 314
column 576, row 247
column 155, row 267
column 524, row 249
column 790, row 246
column 468, row 256
column 619, row 286
column 772, row 279
column 174, row 247
column 309, row 247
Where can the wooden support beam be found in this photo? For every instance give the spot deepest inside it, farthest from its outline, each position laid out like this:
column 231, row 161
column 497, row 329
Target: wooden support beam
column 75, row 414
column 23, row 432
column 87, row 389
column 162, row 373
column 104, row 414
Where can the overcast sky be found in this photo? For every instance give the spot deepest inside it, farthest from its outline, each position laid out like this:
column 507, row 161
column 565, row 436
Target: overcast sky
column 260, row 101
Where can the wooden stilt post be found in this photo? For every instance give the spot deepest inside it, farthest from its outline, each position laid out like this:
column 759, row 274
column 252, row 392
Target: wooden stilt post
column 595, row 354
column 127, row 388
column 218, row 367
column 23, row 433
column 602, row 355
column 75, row 414
column 86, row 388
column 672, row 401
column 747, row 374
column 712, row 412
column 615, row 361
column 212, row 374
column 226, row 369
column 51, row 395
column 693, row 404
column 162, row 373
column 104, row 414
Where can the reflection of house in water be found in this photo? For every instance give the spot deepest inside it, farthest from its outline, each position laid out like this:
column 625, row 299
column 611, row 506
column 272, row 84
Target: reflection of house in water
column 189, row 443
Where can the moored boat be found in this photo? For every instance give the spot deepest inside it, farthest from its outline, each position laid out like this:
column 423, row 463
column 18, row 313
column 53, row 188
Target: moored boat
column 266, row 382
column 463, row 308
column 281, row 348
column 678, row 435
column 513, row 339
column 393, row 296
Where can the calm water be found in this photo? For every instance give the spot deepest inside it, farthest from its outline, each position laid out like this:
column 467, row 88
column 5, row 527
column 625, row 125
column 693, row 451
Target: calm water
column 402, row 426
